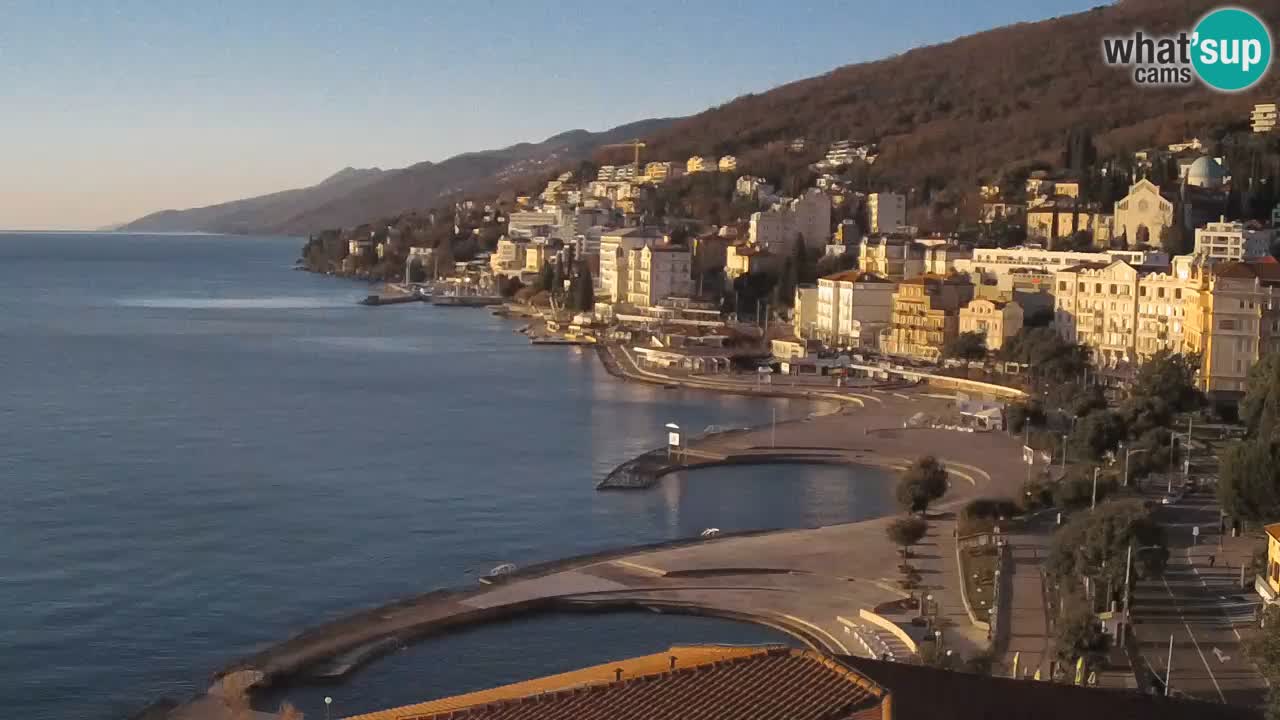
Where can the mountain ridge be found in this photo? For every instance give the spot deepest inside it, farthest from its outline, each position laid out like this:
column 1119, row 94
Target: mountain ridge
column 352, row 196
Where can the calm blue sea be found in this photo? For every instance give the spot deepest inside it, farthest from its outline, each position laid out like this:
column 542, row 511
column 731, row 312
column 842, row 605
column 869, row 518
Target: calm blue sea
column 203, row 450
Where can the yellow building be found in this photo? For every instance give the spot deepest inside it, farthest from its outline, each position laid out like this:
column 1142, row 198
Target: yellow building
column 996, row 320
column 701, row 163
column 1234, row 322
column 1268, row 586
column 742, row 259
column 1054, row 221
column 660, row 172
column 925, row 316
column 728, row 163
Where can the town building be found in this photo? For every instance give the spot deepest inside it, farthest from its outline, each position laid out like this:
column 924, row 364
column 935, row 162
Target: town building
column 1066, row 188
column 993, row 264
column 615, row 253
column 1039, row 184
column 846, row 152
column 1057, row 219
column 1012, row 213
column 508, row 257
column 1267, row 584
column 852, row 308
column 656, row 272
column 743, row 258
column 1143, row 216
column 894, row 257
column 727, row 163
column 804, row 311
column 528, row 223
column 660, row 172
column 1235, row 323
column 1263, row 117
column 701, row 163
column 749, row 186
column 1205, row 172
column 941, row 258
column 925, row 317
column 1222, row 240
column 807, row 217
column 995, row 320
column 886, row 212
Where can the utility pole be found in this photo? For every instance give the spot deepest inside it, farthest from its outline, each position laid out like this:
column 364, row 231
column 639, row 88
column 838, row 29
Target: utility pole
column 1128, row 566
column 1093, row 502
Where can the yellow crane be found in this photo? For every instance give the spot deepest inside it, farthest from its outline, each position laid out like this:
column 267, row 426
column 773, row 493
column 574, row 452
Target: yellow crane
column 637, row 144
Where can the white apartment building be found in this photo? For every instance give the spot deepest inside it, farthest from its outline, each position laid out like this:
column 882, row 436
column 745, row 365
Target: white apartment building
column 615, row 253
column 895, row 258
column 845, row 152
column 752, row 187
column 1222, row 240
column 994, row 264
column 1263, row 117
column 886, row 212
column 853, row 307
column 808, row 216
column 804, row 311
column 527, row 223
column 1123, row 313
column 657, row 272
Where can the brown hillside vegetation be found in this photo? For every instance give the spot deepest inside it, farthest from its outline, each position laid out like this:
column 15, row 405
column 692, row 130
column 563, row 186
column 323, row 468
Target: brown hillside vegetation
column 965, row 110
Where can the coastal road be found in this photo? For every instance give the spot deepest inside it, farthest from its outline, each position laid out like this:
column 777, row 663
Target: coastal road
column 1202, row 608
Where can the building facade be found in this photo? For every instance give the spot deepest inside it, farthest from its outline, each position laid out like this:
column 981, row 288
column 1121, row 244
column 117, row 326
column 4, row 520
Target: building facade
column 852, row 308
column 1222, row 240
column 995, row 320
column 1142, row 216
column 886, row 212
column 657, row 272
column 925, row 317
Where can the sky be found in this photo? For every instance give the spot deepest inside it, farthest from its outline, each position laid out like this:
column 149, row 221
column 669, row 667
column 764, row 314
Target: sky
column 110, row 111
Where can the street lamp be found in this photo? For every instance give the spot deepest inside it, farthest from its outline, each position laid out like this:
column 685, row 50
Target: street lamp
column 1093, row 502
column 1128, row 454
column 327, row 702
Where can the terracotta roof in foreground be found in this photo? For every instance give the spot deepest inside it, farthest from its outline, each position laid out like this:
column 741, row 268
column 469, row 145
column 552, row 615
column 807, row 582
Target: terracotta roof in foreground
column 706, row 683
column 926, row 693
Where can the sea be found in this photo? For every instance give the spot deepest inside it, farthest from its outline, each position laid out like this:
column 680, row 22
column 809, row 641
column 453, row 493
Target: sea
column 204, row 450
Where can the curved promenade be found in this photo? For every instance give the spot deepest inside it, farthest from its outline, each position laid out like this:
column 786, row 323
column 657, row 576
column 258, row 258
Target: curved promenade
column 811, row 583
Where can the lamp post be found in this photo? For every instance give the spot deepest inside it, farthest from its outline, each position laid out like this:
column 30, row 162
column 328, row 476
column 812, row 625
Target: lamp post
column 1093, row 502
column 327, row 702
column 1128, row 454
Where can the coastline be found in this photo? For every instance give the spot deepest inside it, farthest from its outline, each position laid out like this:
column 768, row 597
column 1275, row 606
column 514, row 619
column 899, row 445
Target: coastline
column 367, row 634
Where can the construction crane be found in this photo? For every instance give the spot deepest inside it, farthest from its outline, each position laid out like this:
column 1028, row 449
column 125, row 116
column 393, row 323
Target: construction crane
column 637, row 144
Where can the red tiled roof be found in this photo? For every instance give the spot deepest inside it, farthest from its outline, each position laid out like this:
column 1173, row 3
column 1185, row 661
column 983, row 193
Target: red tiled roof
column 773, row 683
column 916, row 691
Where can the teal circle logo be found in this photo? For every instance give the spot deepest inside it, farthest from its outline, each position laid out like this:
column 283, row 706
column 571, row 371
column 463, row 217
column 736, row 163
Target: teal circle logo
column 1231, row 49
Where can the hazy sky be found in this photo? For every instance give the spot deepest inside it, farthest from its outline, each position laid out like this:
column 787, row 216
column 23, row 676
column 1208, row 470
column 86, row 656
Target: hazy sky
column 111, row 110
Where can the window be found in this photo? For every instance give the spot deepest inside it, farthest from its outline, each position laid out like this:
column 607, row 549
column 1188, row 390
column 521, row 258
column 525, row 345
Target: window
column 1177, row 294
column 1226, row 324
column 1142, row 291
column 1113, row 288
column 1097, row 288
column 1081, row 288
column 1062, row 284
column 1159, row 292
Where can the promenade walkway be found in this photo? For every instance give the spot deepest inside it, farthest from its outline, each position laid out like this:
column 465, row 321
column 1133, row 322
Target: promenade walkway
column 811, row 583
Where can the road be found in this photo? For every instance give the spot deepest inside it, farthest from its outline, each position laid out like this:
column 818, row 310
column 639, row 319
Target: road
column 1202, row 608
